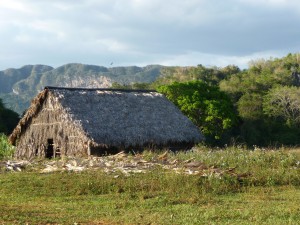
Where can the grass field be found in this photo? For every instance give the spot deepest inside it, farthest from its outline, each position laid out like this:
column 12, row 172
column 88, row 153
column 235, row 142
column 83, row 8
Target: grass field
column 269, row 195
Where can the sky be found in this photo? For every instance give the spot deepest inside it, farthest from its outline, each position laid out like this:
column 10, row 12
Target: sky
column 143, row 32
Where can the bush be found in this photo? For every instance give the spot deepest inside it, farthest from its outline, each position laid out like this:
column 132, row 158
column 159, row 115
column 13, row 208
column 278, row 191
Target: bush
column 208, row 107
column 6, row 149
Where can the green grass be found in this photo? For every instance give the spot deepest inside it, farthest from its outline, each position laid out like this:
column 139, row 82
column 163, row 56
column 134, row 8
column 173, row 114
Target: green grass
column 271, row 195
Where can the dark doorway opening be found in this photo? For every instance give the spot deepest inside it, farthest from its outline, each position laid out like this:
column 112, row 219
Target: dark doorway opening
column 50, row 149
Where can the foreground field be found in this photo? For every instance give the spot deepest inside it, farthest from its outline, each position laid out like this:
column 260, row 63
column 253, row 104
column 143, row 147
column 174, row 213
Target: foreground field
column 269, row 194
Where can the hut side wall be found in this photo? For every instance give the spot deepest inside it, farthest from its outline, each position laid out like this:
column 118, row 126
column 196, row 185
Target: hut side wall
column 52, row 126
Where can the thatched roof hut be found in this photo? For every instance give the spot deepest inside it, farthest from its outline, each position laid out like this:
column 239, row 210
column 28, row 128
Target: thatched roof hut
column 82, row 122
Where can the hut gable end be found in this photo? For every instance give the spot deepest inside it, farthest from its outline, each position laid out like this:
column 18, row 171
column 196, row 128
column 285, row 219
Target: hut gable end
column 49, row 132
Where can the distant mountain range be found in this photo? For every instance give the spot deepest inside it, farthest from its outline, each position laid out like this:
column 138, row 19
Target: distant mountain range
column 19, row 86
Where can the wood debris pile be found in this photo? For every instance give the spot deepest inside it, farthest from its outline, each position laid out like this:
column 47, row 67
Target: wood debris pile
column 17, row 166
column 125, row 164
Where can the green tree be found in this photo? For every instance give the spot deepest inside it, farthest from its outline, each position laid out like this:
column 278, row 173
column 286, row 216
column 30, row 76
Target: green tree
column 230, row 70
column 284, row 102
column 208, row 107
column 211, row 75
column 8, row 119
column 250, row 106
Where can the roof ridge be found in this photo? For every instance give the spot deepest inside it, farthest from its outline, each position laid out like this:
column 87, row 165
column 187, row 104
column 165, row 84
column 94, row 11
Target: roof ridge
column 97, row 89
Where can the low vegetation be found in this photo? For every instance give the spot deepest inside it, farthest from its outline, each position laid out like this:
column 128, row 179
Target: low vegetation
column 6, row 149
column 266, row 192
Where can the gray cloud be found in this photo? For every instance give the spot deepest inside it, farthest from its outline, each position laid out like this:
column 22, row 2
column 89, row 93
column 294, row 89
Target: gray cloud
column 140, row 32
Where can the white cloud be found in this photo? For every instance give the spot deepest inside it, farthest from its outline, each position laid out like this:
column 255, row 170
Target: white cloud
column 293, row 5
column 17, row 6
column 112, row 45
column 23, row 38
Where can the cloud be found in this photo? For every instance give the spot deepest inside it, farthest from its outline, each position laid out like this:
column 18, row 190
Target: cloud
column 142, row 32
column 16, row 6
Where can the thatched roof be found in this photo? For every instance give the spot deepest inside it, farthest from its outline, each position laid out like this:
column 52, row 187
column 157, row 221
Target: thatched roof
column 117, row 118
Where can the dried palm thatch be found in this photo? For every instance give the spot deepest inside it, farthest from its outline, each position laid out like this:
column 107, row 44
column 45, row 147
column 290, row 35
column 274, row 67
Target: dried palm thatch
column 86, row 121
column 34, row 108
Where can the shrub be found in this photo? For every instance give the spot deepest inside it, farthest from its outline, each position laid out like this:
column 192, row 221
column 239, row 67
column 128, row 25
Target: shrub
column 6, row 149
